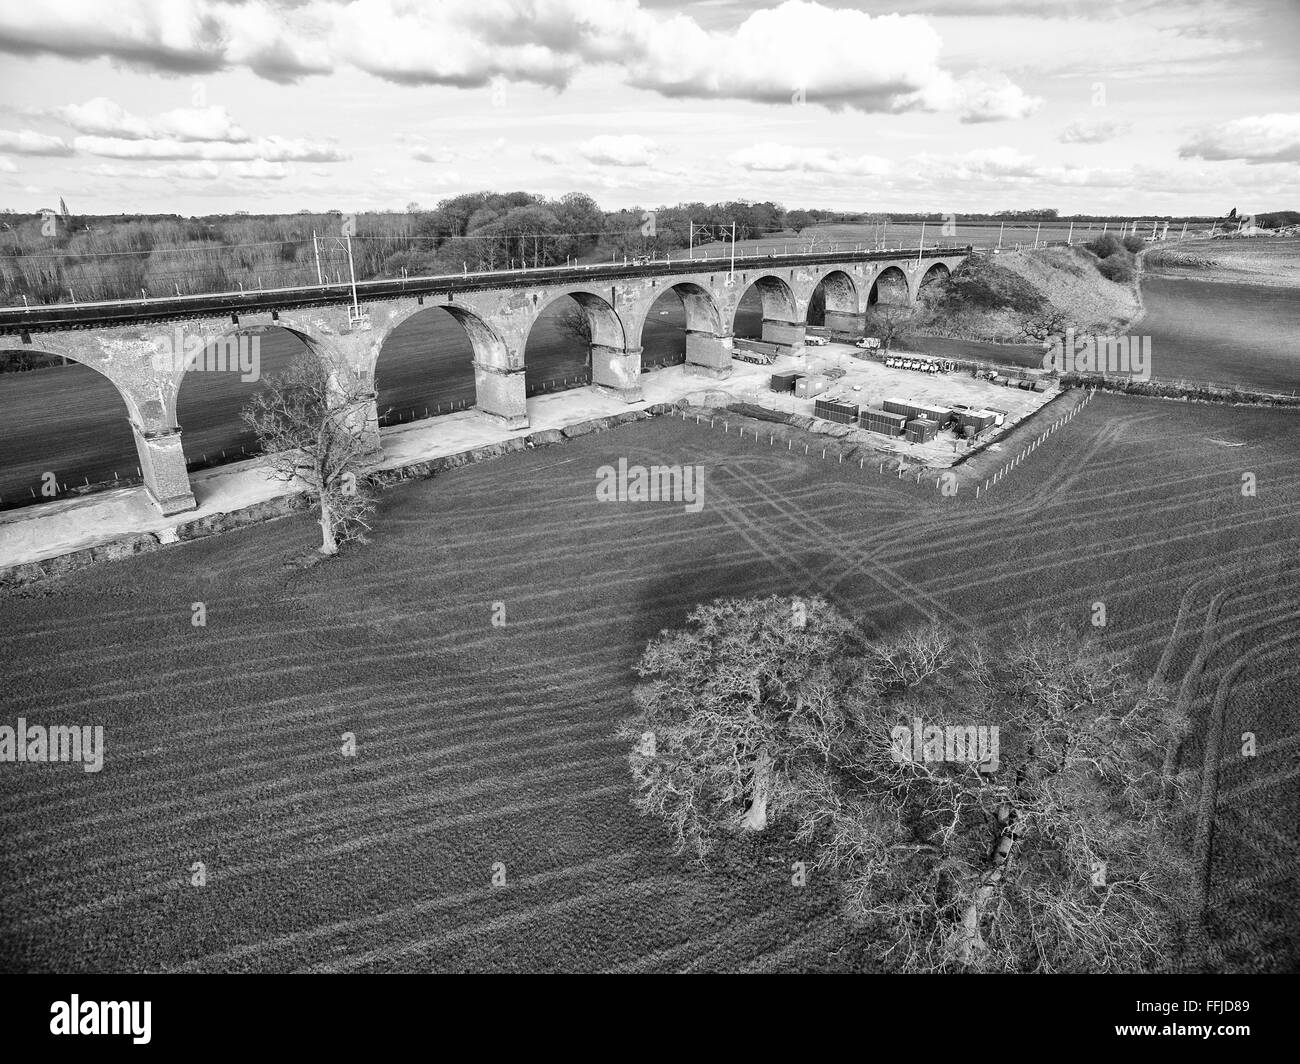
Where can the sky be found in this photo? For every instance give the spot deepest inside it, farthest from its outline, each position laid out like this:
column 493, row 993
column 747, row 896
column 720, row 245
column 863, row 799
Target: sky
column 197, row 107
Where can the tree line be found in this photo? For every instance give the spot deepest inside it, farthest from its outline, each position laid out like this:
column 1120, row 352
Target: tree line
column 57, row 256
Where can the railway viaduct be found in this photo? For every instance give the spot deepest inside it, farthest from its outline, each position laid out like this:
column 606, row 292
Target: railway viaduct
column 347, row 327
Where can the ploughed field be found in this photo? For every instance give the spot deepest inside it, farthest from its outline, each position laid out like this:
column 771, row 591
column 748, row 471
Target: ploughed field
column 485, row 749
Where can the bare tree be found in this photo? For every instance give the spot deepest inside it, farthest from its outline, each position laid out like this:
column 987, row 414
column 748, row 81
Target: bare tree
column 575, row 322
column 309, row 421
column 1044, row 323
column 728, row 707
column 984, row 808
column 1055, row 855
column 889, row 321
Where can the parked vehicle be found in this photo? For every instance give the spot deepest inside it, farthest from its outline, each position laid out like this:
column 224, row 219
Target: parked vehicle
column 816, row 341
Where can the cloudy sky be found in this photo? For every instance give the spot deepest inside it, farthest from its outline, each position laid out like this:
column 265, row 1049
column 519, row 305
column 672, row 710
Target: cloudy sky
column 203, row 106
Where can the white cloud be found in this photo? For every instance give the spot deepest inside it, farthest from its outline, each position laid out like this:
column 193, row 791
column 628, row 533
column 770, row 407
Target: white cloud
column 103, row 117
column 625, row 150
column 175, row 36
column 7, row 167
column 993, row 97
column 837, row 58
column 169, row 172
column 433, row 155
column 422, row 151
column 805, row 53
column 28, row 143
column 630, row 149
column 275, row 149
column 769, row 157
column 1270, row 138
column 259, row 169
column 1083, row 132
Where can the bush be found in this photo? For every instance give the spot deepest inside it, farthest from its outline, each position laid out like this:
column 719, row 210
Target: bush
column 982, row 285
column 1105, row 245
column 1134, row 244
column 1116, row 269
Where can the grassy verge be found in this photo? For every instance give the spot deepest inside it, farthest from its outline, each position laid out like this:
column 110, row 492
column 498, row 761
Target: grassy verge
column 1019, row 296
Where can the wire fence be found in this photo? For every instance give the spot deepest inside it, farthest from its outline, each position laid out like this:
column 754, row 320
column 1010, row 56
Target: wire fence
column 14, row 499
column 947, row 482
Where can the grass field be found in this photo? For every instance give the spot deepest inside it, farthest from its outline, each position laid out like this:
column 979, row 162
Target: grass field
column 1270, row 260
column 482, row 745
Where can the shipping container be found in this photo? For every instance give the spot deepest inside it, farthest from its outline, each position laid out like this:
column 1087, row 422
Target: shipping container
column 1040, row 386
column 919, row 430
column 979, row 419
column 882, row 421
column 883, row 415
column 806, row 387
column 938, row 414
column 843, row 413
column 784, row 382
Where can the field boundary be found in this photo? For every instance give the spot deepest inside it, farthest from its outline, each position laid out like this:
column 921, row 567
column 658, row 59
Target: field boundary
column 1190, row 391
column 841, row 442
column 25, row 574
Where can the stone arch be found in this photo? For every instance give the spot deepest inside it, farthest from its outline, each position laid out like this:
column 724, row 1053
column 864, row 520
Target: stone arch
column 700, row 305
column 694, row 319
column 225, row 375
column 778, row 298
column 461, row 344
column 136, row 398
column 936, row 271
column 613, row 365
column 783, row 316
column 890, row 286
column 490, row 346
column 841, row 304
column 703, row 313
column 124, row 358
column 708, row 337
column 498, row 362
column 606, row 324
column 86, row 429
column 841, row 291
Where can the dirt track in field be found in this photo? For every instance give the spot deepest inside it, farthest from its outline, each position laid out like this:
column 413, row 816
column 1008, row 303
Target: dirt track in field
column 481, row 746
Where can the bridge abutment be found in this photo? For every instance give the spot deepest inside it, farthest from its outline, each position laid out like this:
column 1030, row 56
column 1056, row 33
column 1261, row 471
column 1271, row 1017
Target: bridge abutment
column 845, row 324
column 788, row 335
column 501, row 394
column 162, row 464
column 708, row 355
column 617, row 371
